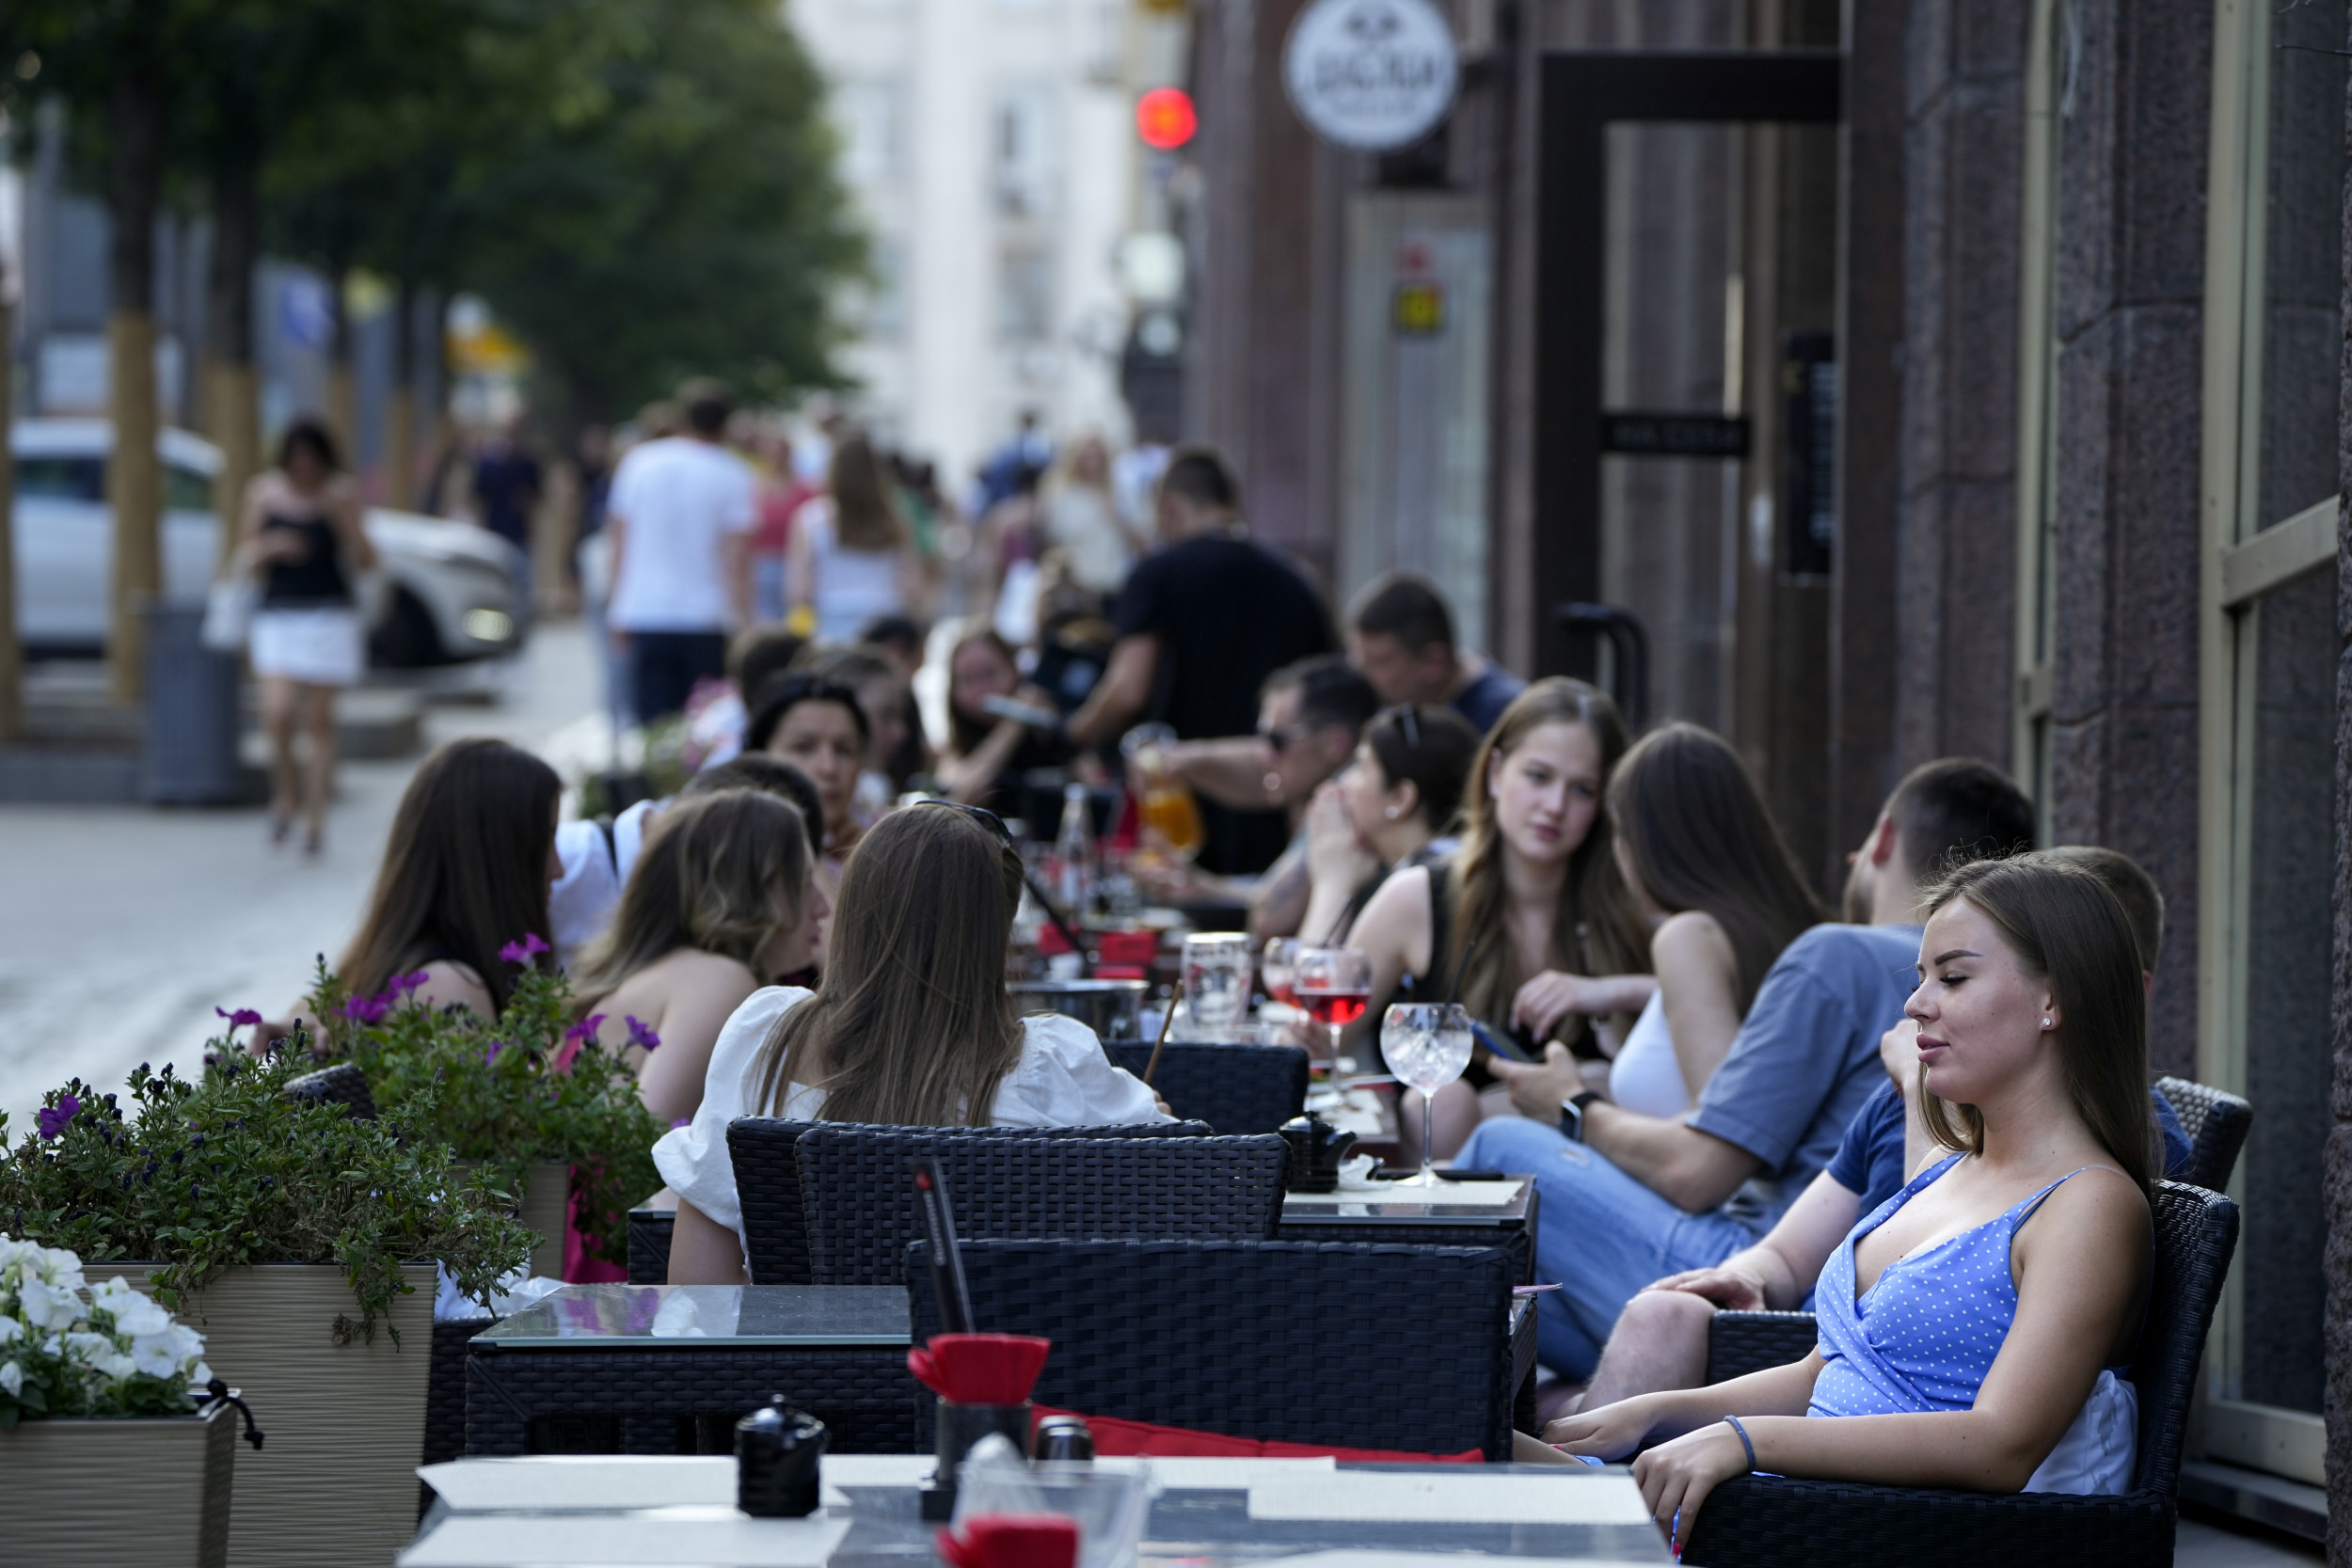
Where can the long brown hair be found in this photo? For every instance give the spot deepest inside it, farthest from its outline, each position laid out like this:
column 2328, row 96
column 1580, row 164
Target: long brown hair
column 1594, row 930
column 963, row 731
column 706, row 878
column 2068, row 931
column 910, row 1025
column 865, row 514
column 465, row 872
column 1701, row 838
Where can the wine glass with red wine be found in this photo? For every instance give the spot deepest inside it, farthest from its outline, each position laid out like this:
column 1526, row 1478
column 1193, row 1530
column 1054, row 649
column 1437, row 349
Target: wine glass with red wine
column 1335, row 985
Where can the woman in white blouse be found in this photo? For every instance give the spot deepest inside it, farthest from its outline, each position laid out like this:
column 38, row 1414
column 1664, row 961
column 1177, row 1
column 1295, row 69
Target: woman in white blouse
column 910, row 1026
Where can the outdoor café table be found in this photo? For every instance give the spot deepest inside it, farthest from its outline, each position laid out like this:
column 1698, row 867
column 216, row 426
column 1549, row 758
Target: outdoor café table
column 632, row 1366
column 1456, row 1213
column 1209, row 1512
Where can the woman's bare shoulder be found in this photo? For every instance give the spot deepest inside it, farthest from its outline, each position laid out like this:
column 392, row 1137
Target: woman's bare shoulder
column 1691, row 938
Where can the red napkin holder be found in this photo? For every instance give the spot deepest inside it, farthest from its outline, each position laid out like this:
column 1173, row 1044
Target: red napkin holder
column 1013, row 1541
column 980, row 1368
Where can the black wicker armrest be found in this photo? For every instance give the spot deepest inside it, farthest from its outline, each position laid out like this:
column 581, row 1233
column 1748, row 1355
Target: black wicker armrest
column 1739, row 1343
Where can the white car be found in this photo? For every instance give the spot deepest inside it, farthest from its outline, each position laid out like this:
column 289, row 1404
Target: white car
column 449, row 587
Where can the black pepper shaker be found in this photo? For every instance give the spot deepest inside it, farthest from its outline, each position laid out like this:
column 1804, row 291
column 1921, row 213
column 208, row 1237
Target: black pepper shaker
column 778, row 1451
column 1064, row 1439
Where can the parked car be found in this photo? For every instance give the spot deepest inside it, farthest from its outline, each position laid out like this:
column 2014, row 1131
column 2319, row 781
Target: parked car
column 447, row 593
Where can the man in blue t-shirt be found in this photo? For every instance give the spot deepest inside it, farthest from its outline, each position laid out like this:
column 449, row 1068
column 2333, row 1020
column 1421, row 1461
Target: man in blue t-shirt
column 1400, row 634
column 1629, row 1197
column 1661, row 1340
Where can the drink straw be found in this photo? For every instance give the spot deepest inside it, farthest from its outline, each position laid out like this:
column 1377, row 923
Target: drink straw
column 955, row 1296
column 1166, row 1017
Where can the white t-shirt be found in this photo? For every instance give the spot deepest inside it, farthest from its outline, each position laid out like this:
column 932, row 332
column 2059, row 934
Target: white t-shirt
column 850, row 588
column 679, row 499
column 1062, row 1080
column 580, row 903
column 1647, row 1075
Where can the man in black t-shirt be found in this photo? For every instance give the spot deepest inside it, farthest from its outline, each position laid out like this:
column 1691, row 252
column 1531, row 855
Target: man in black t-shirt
column 1201, row 624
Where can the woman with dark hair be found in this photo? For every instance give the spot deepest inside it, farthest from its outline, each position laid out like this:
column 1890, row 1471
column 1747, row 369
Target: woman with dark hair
column 1387, row 811
column 465, row 877
column 720, row 903
column 1529, row 925
column 1721, row 895
column 867, row 1046
column 818, row 726
column 852, row 556
column 1972, row 1325
column 299, row 531
column 983, row 749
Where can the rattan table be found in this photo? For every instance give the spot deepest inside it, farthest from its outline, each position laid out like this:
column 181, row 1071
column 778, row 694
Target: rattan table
column 1208, row 1514
column 1391, row 1212
column 666, row 1369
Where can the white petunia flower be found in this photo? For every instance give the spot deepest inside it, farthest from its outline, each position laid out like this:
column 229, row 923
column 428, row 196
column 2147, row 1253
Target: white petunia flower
column 10, row 1331
column 138, row 1314
column 199, row 1375
column 115, row 1364
column 156, row 1354
column 47, row 1305
column 12, row 1379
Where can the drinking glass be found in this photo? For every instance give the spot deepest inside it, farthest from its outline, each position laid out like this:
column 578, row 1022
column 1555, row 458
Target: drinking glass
column 1279, row 968
column 1216, row 978
column 1427, row 1045
column 1166, row 810
column 1335, row 985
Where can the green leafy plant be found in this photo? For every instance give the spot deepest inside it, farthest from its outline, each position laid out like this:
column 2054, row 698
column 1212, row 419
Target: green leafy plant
column 499, row 1090
column 208, row 1176
column 70, row 1349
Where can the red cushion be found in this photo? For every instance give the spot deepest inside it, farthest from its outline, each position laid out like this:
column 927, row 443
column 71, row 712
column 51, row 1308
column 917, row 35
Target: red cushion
column 1114, row 1436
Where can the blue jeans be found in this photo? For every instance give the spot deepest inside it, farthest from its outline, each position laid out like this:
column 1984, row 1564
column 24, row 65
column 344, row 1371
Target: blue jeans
column 1602, row 1234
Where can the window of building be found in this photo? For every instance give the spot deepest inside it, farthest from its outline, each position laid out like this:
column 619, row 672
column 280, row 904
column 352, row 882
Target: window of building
column 870, row 121
column 2274, row 271
column 1022, row 151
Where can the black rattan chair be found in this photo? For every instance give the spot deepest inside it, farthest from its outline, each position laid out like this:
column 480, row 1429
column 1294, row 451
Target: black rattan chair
column 649, row 1233
column 859, row 1202
column 2215, row 1121
column 1767, row 1521
column 1261, row 1340
column 1235, row 1088
column 768, row 1184
column 341, row 1084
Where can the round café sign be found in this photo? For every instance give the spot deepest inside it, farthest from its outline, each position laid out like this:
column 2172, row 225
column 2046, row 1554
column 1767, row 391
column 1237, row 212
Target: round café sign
column 1372, row 75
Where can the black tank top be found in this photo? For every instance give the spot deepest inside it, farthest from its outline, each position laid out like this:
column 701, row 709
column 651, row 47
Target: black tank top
column 313, row 582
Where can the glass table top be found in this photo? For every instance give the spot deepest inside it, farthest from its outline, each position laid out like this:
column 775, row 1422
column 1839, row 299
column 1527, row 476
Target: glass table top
column 589, row 1317
column 1397, row 1203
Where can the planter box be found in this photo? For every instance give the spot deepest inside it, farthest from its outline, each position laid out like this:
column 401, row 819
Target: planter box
column 546, row 1198
column 133, row 1492
column 336, row 1482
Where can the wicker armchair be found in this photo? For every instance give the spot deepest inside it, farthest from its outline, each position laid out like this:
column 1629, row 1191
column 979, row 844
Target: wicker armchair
column 1235, row 1088
column 2217, row 1122
column 768, row 1183
column 860, row 1210
column 1263, row 1339
column 1766, row 1521
column 341, row 1084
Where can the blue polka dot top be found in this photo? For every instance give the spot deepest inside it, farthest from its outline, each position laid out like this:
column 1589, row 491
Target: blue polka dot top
column 1923, row 1337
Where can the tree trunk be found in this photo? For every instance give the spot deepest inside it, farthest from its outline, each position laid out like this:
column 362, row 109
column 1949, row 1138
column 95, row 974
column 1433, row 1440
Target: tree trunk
column 400, row 428
column 11, row 652
column 342, row 405
column 134, row 477
column 232, row 390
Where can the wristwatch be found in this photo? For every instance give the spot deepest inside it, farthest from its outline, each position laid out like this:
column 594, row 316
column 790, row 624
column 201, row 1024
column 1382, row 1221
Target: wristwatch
column 1572, row 1114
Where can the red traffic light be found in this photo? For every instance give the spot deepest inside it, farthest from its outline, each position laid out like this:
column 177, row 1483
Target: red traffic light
column 1164, row 118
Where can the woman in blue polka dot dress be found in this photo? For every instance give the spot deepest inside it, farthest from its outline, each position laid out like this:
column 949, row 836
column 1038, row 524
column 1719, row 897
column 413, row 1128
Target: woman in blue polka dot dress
column 1971, row 1327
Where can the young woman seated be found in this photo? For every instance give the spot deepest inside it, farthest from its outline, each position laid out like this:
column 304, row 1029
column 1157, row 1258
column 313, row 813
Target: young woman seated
column 1529, row 925
column 986, row 756
column 819, row 726
column 720, row 903
column 1971, row 1326
column 1713, row 881
column 1385, row 813
column 930, row 895
column 465, row 875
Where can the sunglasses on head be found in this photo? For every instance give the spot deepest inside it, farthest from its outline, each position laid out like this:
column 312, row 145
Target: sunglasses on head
column 986, row 818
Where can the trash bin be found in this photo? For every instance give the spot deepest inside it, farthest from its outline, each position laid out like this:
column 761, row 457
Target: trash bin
column 192, row 714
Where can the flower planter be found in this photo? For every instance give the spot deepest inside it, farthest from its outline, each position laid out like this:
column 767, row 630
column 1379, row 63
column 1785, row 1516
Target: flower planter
column 121, row 1492
column 547, row 1199
column 336, row 1482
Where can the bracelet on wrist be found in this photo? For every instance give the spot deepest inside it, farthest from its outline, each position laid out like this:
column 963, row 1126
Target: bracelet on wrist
column 1741, row 1433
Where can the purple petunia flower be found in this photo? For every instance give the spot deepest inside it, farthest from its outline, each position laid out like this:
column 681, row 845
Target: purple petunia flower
column 52, row 1120
column 585, row 1029
column 641, row 1033
column 239, row 1019
column 403, row 983
column 367, row 1010
column 524, row 951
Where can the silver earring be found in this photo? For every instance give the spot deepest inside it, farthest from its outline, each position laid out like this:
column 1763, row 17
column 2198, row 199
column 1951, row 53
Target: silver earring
column 2047, row 1024
column 1391, row 814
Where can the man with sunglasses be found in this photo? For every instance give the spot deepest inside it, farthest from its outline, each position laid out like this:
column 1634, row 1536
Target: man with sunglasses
column 1310, row 715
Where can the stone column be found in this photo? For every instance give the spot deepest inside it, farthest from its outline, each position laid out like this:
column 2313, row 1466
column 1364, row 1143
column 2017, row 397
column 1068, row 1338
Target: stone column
column 2129, row 319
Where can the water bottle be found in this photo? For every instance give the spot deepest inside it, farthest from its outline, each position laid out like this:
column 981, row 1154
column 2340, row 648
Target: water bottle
column 1073, row 854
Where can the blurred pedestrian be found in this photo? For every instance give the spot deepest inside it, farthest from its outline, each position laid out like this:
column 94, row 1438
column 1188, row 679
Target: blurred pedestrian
column 852, row 555
column 781, row 496
column 1401, row 636
column 680, row 519
column 507, row 485
column 1081, row 521
column 1202, row 623
column 301, row 534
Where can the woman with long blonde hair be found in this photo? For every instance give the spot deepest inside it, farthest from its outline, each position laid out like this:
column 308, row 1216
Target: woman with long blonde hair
column 853, row 554
column 1530, row 926
column 909, row 1025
